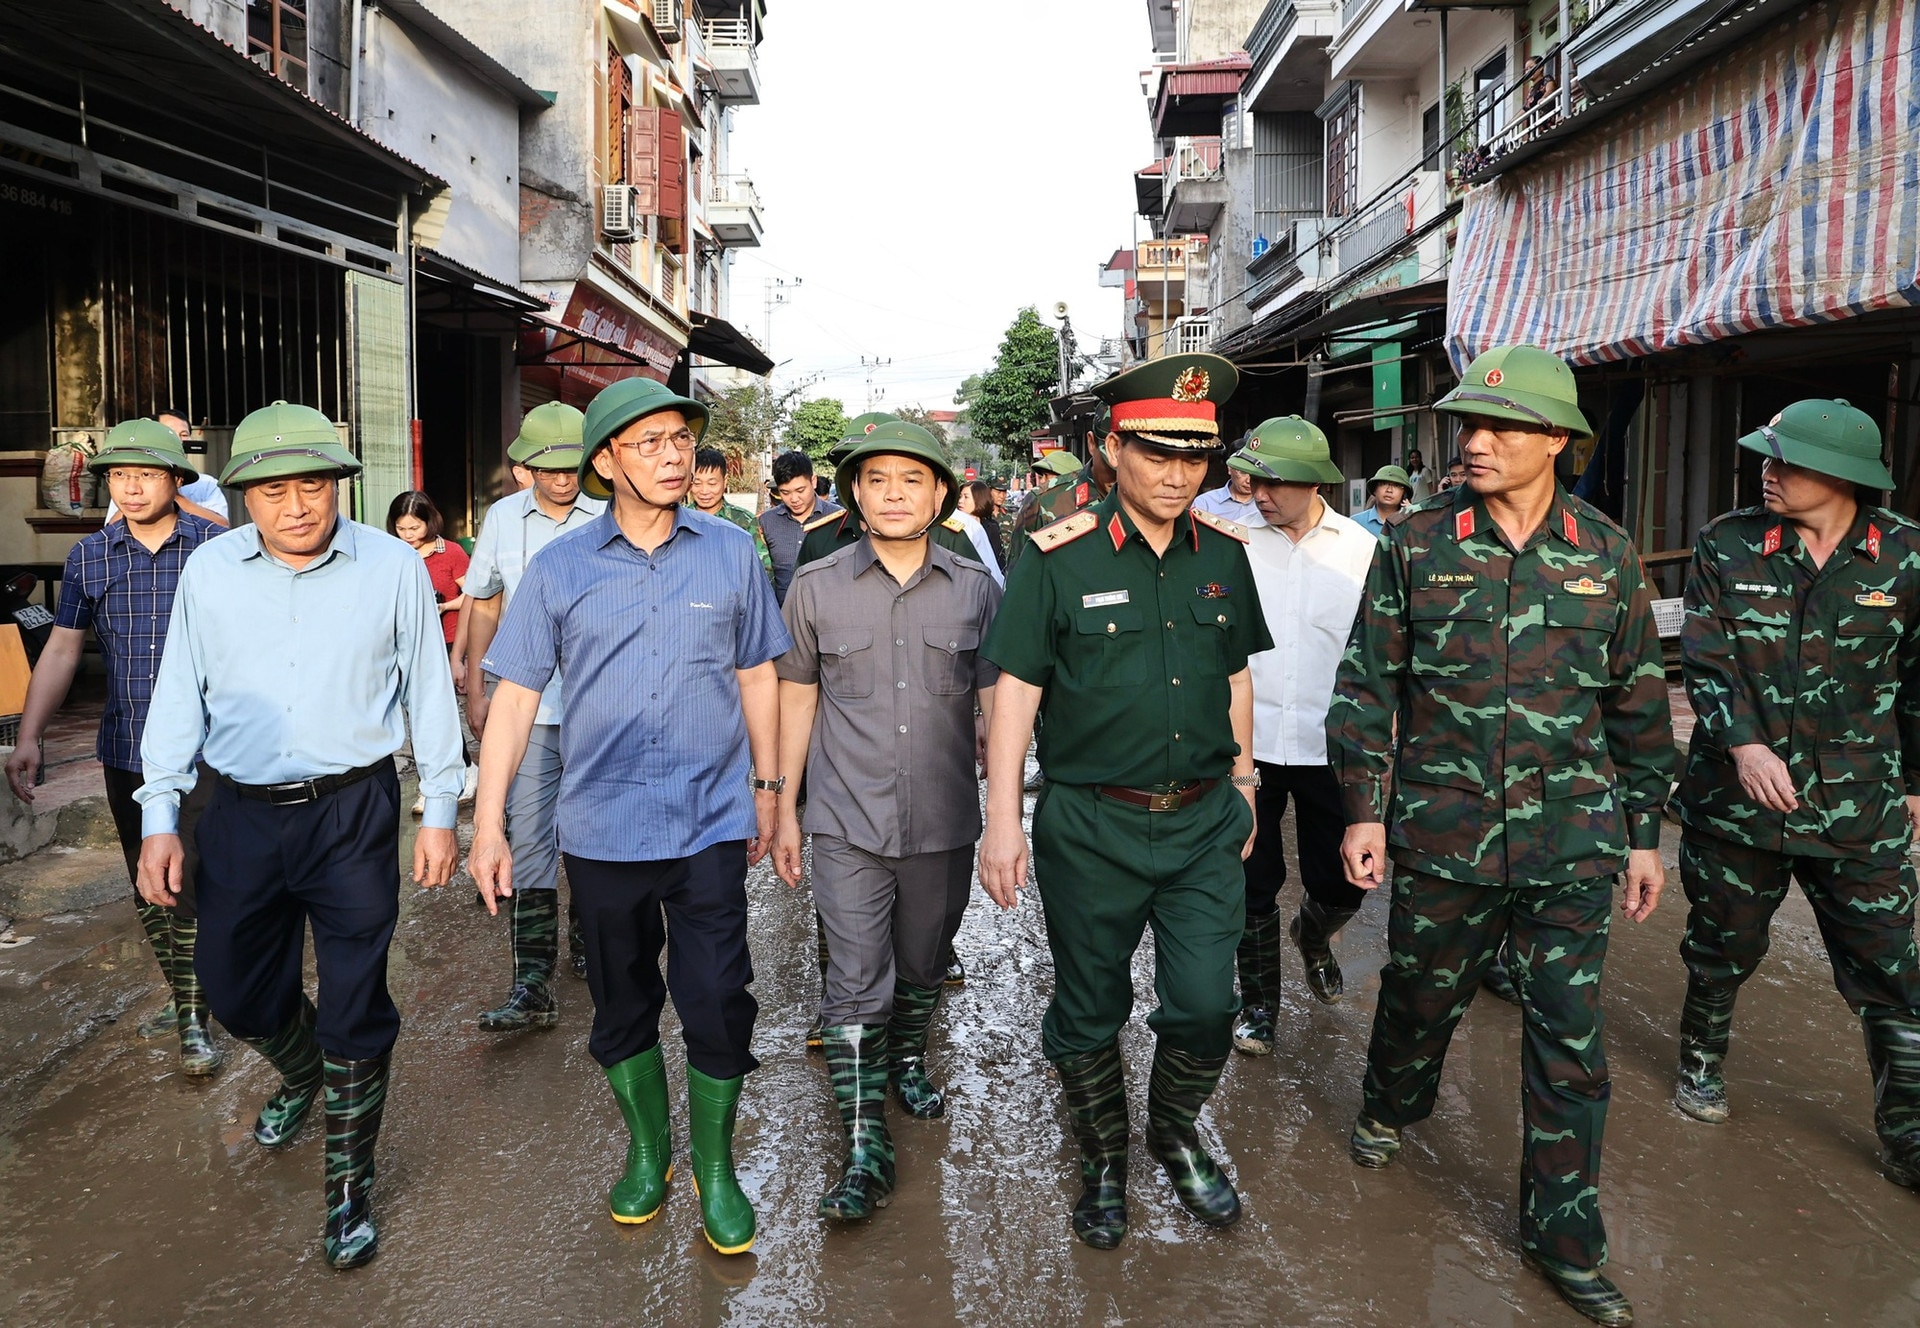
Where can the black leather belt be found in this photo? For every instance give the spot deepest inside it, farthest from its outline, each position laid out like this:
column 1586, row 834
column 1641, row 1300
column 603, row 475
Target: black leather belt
column 1167, row 800
column 305, row 790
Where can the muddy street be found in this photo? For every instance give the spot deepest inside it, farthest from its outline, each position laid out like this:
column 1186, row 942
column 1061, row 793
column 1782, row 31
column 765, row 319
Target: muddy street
column 139, row 1197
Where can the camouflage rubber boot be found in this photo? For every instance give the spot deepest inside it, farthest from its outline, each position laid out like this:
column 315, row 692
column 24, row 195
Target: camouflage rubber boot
column 199, row 1057
column 816, row 1029
column 1179, row 1086
column 576, row 943
column 533, row 929
column 640, row 1087
column 907, row 1030
column 956, row 972
column 1372, row 1144
column 1259, row 962
column 1588, row 1290
column 1312, row 930
column 726, row 1215
column 857, row 1058
column 1499, row 979
column 1706, row 1025
column 157, row 923
column 1893, row 1054
column 356, row 1100
column 296, row 1054
column 1095, row 1086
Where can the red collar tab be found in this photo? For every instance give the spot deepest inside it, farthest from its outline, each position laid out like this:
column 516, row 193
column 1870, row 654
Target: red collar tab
column 1572, row 527
column 1770, row 544
column 1462, row 524
column 1116, row 532
column 1081, row 493
column 1873, row 541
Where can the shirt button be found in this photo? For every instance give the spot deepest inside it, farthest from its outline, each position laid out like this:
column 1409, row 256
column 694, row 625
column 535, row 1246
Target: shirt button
column 1169, row 624
column 1176, row 737
column 899, row 640
column 1176, row 683
column 903, row 728
column 1111, row 629
column 1222, row 618
column 902, row 685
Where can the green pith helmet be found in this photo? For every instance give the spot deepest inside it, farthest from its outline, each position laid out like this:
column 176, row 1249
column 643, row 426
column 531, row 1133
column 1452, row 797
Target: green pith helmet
column 1289, row 449
column 1171, row 403
column 897, row 438
column 618, row 406
column 549, row 438
column 1522, row 384
column 1831, row 437
column 143, row 443
column 1059, row 462
column 857, row 428
column 281, row 440
column 1389, row 475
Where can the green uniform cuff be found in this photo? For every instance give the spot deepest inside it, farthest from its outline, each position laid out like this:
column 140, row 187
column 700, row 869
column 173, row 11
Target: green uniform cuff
column 1912, row 778
column 1643, row 829
column 1362, row 802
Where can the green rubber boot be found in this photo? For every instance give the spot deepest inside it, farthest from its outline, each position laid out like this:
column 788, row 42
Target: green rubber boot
column 1372, row 1144
column 533, row 930
column 1095, row 1086
column 1706, row 1026
column 1312, row 931
column 640, row 1087
column 199, row 1056
column 1258, row 959
column 1588, row 1290
column 356, row 1100
column 726, row 1215
column 857, row 1057
column 1893, row 1054
column 294, row 1052
column 907, row 1030
column 157, row 923
column 1179, row 1086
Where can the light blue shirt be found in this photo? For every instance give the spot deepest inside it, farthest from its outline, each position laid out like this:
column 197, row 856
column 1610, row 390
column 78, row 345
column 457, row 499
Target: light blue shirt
column 513, row 530
column 279, row 675
column 1368, row 518
column 1221, row 502
column 654, row 751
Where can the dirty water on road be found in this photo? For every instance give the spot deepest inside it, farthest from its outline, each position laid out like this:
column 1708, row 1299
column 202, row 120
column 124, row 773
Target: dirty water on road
column 138, row 1197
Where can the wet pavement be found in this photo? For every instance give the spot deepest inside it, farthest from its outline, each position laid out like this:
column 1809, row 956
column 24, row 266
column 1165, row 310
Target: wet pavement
column 138, row 1197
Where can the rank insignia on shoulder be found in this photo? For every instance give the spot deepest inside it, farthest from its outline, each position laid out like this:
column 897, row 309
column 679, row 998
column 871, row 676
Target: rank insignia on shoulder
column 954, row 524
column 1770, row 542
column 1873, row 541
column 1462, row 524
column 1571, row 527
column 1586, row 585
column 1213, row 590
column 1231, row 529
column 1082, row 492
column 1064, row 531
column 1876, row 599
column 820, row 521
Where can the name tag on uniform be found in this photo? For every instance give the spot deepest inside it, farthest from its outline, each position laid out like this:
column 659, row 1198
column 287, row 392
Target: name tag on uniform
column 1876, row 599
column 1758, row 588
column 1103, row 599
column 1450, row 579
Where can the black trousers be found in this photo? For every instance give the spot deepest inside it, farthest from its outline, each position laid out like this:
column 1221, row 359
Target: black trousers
column 266, row 874
column 697, row 908
column 121, row 786
column 1320, row 821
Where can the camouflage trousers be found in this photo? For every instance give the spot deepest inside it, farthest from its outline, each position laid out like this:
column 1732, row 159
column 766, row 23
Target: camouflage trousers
column 1441, row 938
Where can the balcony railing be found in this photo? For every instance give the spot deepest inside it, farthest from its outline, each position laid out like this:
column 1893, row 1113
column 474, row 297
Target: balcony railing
column 1184, row 336
column 728, row 32
column 1172, row 253
column 1194, row 159
column 735, row 191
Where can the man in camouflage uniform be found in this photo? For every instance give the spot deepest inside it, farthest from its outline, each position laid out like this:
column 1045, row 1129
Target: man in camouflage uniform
column 1802, row 649
column 708, row 492
column 1500, row 718
column 1075, row 487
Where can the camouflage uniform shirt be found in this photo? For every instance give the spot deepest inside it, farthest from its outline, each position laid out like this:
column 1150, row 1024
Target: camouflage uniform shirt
column 744, row 519
column 1820, row 663
column 1062, row 498
column 1504, row 713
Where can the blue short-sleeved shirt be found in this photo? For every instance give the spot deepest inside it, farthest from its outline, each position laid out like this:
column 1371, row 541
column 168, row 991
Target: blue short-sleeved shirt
column 115, row 586
column 654, row 746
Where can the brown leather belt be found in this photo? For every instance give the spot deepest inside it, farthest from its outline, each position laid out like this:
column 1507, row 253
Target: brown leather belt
column 1171, row 800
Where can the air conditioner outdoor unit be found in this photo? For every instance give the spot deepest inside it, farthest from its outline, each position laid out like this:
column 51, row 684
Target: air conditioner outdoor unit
column 616, row 211
column 666, row 19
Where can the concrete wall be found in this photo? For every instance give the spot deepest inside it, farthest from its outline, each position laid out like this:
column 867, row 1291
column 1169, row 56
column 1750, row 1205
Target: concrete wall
column 1211, row 29
column 226, row 17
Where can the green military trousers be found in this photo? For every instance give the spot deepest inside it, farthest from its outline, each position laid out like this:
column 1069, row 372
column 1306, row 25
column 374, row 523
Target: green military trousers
column 1107, row 871
column 1441, row 938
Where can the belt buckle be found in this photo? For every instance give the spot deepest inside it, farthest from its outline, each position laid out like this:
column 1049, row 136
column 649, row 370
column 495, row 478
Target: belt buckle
column 1165, row 802
column 293, row 794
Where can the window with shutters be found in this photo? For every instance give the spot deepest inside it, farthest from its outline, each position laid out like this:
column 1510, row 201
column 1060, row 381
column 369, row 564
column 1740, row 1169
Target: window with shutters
column 277, row 38
column 1342, row 115
column 619, row 109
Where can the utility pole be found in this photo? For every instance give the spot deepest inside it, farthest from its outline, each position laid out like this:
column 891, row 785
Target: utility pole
column 776, row 296
column 873, row 366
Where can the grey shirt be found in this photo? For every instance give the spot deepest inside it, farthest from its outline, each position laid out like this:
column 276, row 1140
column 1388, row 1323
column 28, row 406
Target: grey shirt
column 890, row 768
column 783, row 532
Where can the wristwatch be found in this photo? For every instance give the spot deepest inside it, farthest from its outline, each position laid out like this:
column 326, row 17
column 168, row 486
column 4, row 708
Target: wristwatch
column 768, row 785
column 1251, row 781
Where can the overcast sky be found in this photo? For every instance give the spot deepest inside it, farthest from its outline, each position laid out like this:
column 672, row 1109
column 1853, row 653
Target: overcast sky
column 927, row 169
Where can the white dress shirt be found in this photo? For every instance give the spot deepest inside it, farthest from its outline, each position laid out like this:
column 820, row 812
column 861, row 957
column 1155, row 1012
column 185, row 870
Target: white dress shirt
column 1310, row 593
column 981, row 544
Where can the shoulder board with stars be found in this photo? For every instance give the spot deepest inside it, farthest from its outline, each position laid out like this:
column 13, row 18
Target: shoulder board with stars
column 820, row 521
column 953, row 523
column 1065, row 531
column 1231, row 529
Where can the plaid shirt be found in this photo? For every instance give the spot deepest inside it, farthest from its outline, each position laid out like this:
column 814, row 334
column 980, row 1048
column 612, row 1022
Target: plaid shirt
column 113, row 585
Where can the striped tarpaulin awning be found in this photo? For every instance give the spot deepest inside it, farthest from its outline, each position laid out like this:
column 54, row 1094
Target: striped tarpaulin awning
column 1779, row 187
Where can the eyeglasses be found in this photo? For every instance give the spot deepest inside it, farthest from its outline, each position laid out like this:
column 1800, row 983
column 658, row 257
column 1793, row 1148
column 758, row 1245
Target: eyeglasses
column 653, row 444
column 127, row 475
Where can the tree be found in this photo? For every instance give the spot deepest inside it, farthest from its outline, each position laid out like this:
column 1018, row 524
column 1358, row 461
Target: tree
column 817, row 427
column 1010, row 400
column 918, row 415
column 745, row 421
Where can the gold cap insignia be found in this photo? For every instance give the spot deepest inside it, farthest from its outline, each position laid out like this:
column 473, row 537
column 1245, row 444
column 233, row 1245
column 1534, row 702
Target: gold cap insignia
column 1192, row 385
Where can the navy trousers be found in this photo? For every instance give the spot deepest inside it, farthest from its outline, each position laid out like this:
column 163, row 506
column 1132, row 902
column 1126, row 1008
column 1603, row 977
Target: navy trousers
column 121, row 786
column 268, row 872
column 697, row 908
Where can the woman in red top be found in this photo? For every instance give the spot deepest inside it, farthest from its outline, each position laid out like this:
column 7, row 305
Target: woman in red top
column 413, row 518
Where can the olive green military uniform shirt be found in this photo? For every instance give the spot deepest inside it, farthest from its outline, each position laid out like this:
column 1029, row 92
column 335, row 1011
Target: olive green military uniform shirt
column 1057, row 501
column 1504, row 712
column 844, row 531
column 1134, row 649
column 1820, row 663
column 744, row 519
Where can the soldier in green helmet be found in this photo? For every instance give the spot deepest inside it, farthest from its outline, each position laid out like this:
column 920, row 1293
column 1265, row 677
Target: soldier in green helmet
column 1075, row 486
column 1500, row 726
column 1802, row 656
column 515, row 529
column 1131, row 623
column 708, row 492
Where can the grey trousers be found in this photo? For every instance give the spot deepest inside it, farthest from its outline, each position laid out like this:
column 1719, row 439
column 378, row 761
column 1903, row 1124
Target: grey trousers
column 533, row 799
column 884, row 916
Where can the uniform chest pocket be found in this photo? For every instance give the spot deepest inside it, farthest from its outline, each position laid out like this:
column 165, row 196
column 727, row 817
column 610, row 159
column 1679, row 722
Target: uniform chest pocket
column 1214, row 620
column 846, row 661
column 948, row 658
column 1578, row 632
column 1452, row 637
column 1864, row 643
column 1108, row 647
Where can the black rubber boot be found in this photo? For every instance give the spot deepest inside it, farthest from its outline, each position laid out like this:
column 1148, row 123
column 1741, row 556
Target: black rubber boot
column 1179, row 1087
column 1706, row 1026
column 157, row 923
column 356, row 1100
column 956, row 972
column 1095, row 1086
column 1588, row 1290
column 296, row 1054
column 1312, row 930
column 1499, row 979
column 1893, row 1054
column 533, row 918
column 1258, row 959
column 857, row 1057
column 913, row 1010
column 199, row 1057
